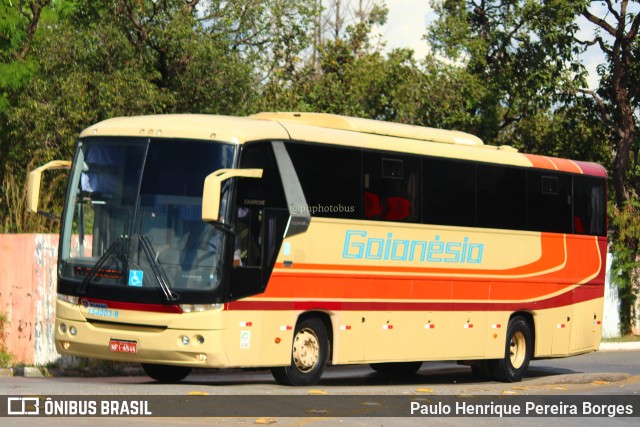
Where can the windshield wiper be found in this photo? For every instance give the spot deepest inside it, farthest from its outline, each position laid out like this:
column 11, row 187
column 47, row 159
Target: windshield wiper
column 82, row 289
column 148, row 250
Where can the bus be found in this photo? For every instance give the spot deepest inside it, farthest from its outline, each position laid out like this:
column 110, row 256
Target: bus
column 291, row 241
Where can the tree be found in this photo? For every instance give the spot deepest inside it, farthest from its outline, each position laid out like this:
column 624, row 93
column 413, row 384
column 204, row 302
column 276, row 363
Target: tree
column 619, row 87
column 521, row 50
column 616, row 102
column 98, row 60
column 19, row 22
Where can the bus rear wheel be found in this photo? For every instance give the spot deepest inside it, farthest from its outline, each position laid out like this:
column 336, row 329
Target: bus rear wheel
column 397, row 368
column 518, row 351
column 308, row 355
column 166, row 373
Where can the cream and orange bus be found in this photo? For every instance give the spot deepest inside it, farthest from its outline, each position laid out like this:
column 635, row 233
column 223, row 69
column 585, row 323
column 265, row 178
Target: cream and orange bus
column 293, row 240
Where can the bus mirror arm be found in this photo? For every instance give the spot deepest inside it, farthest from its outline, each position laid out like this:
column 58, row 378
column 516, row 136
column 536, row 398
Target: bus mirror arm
column 211, row 193
column 33, row 185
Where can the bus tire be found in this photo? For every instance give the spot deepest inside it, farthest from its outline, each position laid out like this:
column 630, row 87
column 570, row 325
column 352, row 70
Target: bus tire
column 518, row 351
column 309, row 353
column 397, row 368
column 166, row 373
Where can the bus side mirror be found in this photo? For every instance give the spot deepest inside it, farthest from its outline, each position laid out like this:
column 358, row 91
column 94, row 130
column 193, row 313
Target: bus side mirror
column 212, row 189
column 33, row 183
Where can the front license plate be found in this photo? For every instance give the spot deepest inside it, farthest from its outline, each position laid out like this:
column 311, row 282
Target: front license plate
column 120, row 346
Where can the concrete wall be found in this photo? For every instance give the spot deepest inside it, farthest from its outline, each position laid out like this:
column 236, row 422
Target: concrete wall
column 611, row 315
column 28, row 294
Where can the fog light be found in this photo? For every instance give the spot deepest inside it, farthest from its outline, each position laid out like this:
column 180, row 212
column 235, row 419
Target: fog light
column 73, row 330
column 185, row 340
column 63, row 328
column 66, row 345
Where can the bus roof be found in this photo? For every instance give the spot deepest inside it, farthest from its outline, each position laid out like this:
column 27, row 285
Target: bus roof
column 335, row 130
column 376, row 127
column 236, row 130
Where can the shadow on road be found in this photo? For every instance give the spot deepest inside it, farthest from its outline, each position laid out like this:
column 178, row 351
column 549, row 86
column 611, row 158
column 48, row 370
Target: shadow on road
column 433, row 373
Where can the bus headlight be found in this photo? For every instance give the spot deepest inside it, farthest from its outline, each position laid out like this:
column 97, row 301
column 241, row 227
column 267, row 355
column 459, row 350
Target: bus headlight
column 185, row 340
column 196, row 308
column 68, row 298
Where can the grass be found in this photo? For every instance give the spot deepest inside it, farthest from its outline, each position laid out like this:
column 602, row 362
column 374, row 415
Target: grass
column 624, row 338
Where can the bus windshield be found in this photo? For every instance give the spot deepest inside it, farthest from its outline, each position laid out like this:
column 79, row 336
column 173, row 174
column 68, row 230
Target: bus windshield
column 132, row 224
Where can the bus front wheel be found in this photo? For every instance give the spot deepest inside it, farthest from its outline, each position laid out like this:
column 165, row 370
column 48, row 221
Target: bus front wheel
column 166, row 373
column 308, row 355
column 518, row 351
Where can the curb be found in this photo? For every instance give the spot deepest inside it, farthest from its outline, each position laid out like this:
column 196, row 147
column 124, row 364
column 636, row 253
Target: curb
column 619, row 346
column 26, row 371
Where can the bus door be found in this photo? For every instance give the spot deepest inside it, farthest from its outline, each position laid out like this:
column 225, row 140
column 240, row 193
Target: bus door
column 260, row 218
column 263, row 217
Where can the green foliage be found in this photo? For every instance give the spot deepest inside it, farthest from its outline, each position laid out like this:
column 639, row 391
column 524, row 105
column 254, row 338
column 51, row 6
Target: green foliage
column 5, row 357
column 522, row 51
column 625, row 244
column 18, row 219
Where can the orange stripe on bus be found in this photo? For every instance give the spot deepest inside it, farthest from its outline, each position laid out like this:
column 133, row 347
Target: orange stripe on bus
column 580, row 294
column 552, row 248
column 566, row 165
column 583, row 264
column 316, row 286
column 541, row 162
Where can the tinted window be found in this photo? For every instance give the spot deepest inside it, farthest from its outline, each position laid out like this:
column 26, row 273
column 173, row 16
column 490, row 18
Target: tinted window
column 449, row 194
column 589, row 205
column 548, row 202
column 265, row 192
column 330, row 177
column 391, row 187
column 501, row 197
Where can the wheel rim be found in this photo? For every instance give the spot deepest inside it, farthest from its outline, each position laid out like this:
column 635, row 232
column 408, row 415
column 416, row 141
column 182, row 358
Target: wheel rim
column 517, row 349
column 306, row 350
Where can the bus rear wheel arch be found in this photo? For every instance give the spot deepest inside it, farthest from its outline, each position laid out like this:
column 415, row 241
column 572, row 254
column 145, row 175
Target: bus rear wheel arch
column 309, row 354
column 518, row 352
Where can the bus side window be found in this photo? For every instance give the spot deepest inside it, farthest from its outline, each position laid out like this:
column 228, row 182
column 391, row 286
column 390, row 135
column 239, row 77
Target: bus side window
column 501, row 197
column 549, row 202
column 449, row 192
column 589, row 208
column 391, row 187
column 330, row 179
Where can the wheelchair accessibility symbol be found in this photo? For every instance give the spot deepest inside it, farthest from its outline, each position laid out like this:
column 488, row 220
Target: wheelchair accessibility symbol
column 135, row 277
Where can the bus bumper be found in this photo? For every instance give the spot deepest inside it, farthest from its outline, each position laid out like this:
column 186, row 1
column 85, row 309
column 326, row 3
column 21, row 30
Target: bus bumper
column 138, row 344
